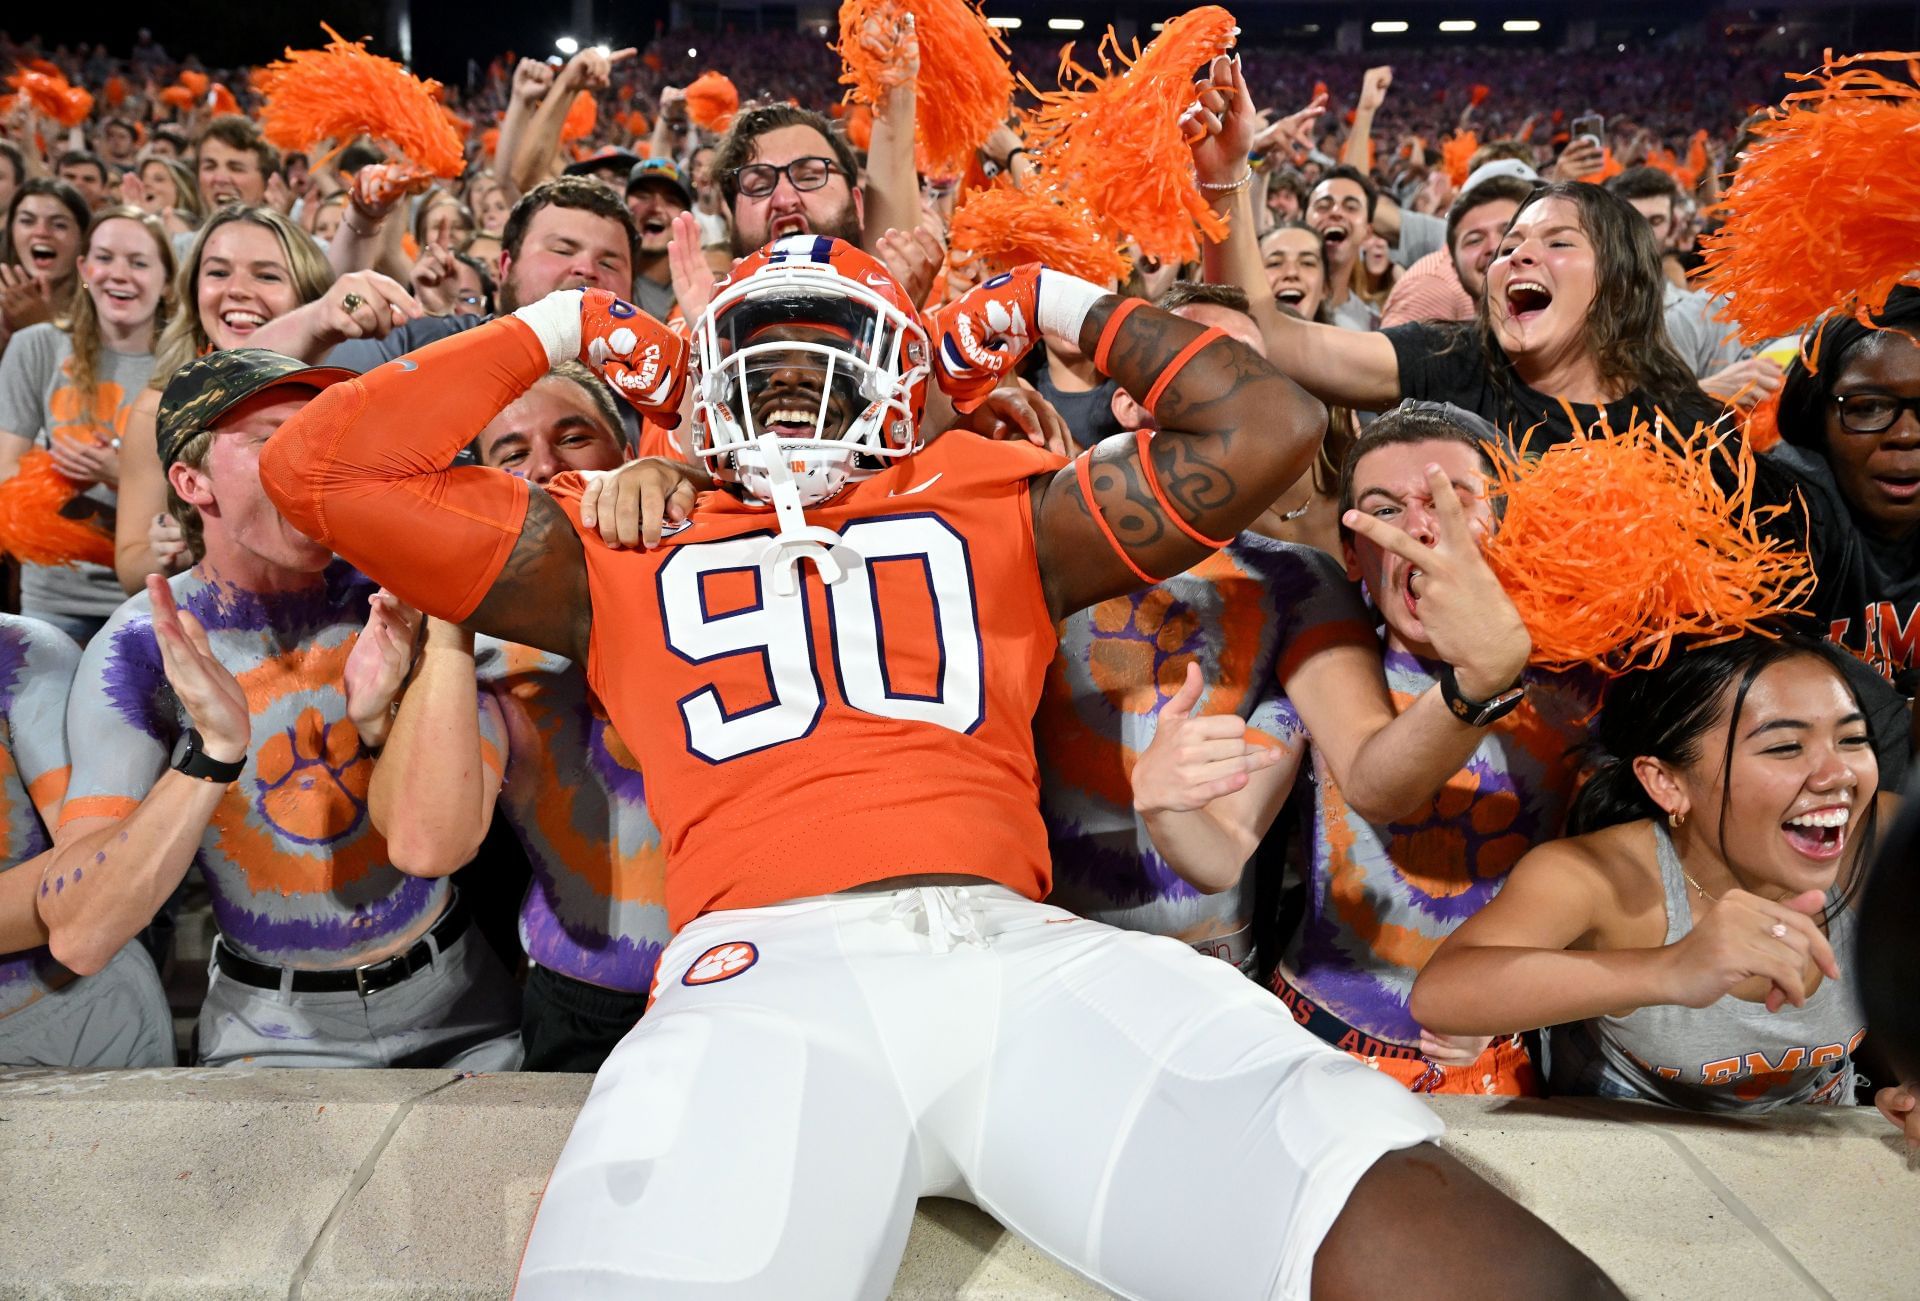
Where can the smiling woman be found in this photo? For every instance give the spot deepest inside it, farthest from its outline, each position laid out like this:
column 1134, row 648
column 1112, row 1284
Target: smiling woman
column 248, row 266
column 68, row 385
column 1691, row 942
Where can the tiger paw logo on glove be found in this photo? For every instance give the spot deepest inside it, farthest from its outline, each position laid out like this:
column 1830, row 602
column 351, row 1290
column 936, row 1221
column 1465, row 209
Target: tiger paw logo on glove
column 644, row 361
column 984, row 334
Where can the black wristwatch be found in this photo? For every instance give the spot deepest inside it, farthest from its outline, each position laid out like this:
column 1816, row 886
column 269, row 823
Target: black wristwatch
column 197, row 763
column 1479, row 713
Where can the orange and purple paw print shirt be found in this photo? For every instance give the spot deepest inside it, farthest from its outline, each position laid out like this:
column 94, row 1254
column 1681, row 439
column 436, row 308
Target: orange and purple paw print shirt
column 1381, row 897
column 37, row 664
column 1118, row 665
column 298, row 875
column 597, row 909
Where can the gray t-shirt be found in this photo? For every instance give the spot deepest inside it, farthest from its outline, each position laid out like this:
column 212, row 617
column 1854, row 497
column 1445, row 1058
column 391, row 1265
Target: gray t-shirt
column 1421, row 233
column 39, row 400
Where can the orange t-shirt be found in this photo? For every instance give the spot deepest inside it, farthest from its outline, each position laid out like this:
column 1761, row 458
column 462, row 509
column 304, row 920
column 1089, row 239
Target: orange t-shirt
column 877, row 727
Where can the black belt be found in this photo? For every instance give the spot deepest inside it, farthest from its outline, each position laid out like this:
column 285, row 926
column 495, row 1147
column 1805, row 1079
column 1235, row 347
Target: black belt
column 370, row 979
column 1323, row 1024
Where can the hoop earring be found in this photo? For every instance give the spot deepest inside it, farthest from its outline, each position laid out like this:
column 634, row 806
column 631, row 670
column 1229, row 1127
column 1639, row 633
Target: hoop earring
column 1676, row 820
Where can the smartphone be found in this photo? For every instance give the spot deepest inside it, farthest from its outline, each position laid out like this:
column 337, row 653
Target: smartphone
column 1590, row 125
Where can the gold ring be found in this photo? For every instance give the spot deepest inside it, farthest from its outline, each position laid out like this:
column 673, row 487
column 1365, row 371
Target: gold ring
column 352, row 302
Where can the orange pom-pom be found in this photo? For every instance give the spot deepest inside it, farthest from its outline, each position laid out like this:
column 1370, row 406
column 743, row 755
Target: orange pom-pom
column 222, row 100
column 490, row 140
column 1115, row 141
column 1456, row 155
column 116, row 90
column 1761, row 426
column 342, row 91
column 32, row 526
column 1008, row 228
column 179, row 97
column 964, row 84
column 1478, row 95
column 1696, row 165
column 51, row 95
column 1614, row 544
column 1824, row 212
column 860, row 127
column 195, row 82
column 635, row 122
column 712, row 101
column 582, row 114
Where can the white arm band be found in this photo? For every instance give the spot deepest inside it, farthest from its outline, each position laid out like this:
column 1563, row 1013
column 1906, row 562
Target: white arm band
column 1062, row 303
column 556, row 320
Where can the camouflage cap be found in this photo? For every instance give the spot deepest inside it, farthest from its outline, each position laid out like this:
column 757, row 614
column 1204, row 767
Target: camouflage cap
column 208, row 387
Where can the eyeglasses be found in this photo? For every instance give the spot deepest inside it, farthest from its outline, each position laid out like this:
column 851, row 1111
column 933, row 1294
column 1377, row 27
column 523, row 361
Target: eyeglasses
column 1872, row 413
column 758, row 180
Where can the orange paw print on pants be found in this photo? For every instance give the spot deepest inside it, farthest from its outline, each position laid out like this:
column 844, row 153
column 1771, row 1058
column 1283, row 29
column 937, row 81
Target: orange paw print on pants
column 313, row 780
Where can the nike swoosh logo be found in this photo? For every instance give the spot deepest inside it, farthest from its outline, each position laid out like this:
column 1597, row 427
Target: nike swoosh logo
column 404, row 364
column 918, row 487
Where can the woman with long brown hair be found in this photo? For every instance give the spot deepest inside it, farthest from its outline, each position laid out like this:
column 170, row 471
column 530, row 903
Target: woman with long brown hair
column 69, row 384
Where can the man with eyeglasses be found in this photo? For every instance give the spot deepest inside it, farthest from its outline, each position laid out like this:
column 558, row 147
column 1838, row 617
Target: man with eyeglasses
column 784, row 172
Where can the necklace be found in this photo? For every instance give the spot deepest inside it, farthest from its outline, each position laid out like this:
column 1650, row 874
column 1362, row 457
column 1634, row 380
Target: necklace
column 1697, row 886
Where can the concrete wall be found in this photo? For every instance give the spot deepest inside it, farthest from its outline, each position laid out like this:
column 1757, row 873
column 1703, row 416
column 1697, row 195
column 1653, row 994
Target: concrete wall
column 419, row 1184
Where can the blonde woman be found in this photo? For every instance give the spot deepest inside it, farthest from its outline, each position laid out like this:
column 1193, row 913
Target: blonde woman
column 69, row 384
column 252, row 279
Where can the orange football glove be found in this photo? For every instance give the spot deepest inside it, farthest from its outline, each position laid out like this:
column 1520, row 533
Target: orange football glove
column 644, row 361
column 980, row 337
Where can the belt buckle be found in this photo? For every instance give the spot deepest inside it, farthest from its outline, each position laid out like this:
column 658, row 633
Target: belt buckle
column 360, row 980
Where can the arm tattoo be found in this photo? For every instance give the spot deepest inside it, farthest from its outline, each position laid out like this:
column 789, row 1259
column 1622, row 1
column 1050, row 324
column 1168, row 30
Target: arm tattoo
column 540, row 597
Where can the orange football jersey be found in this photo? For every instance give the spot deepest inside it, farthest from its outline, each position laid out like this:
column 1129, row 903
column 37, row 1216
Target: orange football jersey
column 875, row 727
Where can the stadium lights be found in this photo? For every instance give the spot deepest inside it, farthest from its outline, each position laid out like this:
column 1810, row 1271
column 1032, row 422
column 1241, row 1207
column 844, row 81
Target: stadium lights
column 1065, row 24
column 1458, row 25
column 1520, row 25
column 692, row 53
column 1004, row 24
column 1389, row 26
column 567, row 45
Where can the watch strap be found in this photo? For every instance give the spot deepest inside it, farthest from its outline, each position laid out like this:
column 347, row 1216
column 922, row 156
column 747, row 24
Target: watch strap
column 1478, row 713
column 200, row 765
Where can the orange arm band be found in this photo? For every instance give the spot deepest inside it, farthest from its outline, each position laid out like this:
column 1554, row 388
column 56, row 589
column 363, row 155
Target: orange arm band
column 1178, row 364
column 1083, row 470
column 1140, row 440
column 1112, row 328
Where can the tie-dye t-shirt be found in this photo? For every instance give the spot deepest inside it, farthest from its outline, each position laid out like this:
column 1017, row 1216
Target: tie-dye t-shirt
column 597, row 910
column 37, row 663
column 1380, row 899
column 298, row 875
column 1119, row 663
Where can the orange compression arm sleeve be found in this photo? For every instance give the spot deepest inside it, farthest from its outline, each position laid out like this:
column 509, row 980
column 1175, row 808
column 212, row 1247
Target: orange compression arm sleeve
column 364, row 468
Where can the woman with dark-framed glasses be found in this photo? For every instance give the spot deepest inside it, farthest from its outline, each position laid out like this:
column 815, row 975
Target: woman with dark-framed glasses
column 1850, row 440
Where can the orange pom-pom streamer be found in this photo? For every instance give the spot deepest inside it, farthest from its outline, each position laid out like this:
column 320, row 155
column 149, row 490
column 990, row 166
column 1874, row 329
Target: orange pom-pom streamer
column 490, row 140
column 52, row 95
column 342, row 91
column 712, row 100
column 860, row 127
column 180, row 97
column 1696, row 165
column 1824, row 213
column 581, row 116
column 222, row 100
column 1614, row 544
column 1456, row 155
column 32, row 528
column 1009, row 228
column 116, row 91
column 1115, row 141
column 1478, row 95
column 964, row 85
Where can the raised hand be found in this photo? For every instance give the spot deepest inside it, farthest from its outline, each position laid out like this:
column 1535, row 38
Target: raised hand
column 215, row 703
column 1192, row 762
column 980, row 337
column 378, row 664
column 434, row 281
column 1220, row 123
column 1462, row 607
column 632, row 505
column 1742, row 936
column 693, row 278
column 644, row 361
column 1373, row 89
column 591, row 69
column 915, row 256
column 378, row 186
column 366, row 305
column 1746, row 384
column 889, row 35
column 1294, row 132
column 24, row 298
column 532, row 79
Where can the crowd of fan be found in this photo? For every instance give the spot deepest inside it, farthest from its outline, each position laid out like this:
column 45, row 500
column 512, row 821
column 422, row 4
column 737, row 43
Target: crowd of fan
column 1367, row 893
